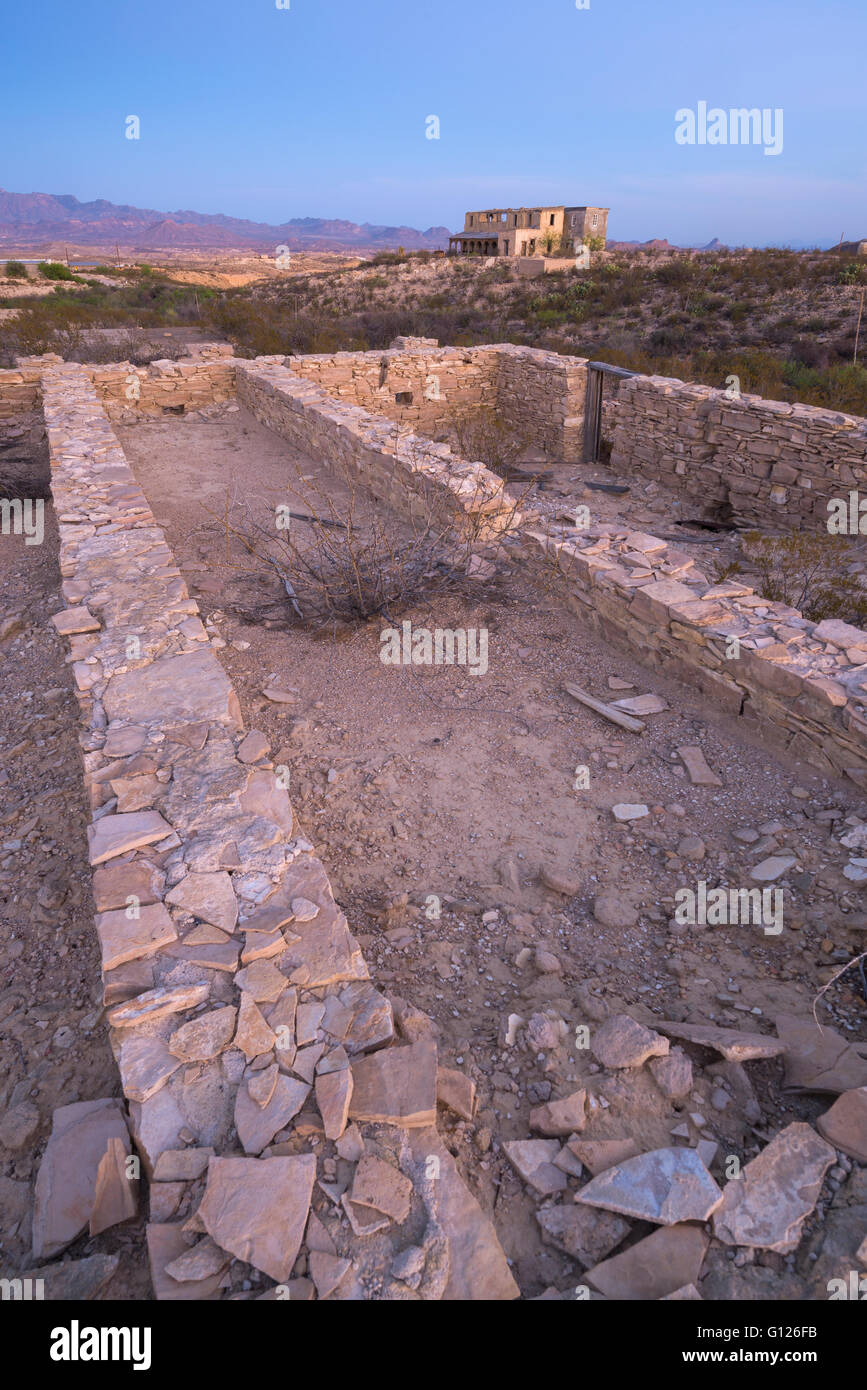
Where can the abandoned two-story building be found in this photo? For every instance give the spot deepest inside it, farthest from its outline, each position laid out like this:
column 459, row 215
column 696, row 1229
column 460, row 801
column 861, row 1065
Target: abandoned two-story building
column 529, row 231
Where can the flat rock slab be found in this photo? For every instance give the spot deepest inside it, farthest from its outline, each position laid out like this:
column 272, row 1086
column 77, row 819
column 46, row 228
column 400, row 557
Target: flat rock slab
column 123, row 938
column 769, row 870
column 598, row 1155
column 697, row 769
column 71, row 620
column 257, row 1209
column 456, row 1092
column 116, row 1196
column 396, row 1086
column 581, row 1232
column 115, row 884
column 205, row 1037
column 560, row 1117
column 730, row 1043
column 157, row 1003
column 666, row 1186
column 478, row 1270
column 623, row 1042
column 777, row 1190
column 379, row 1184
column 533, row 1160
column 257, row 1124
column 113, row 835
column 333, row 1097
column 167, row 1243
column 145, row 1064
column 845, row 1124
column 819, row 1058
column 656, row 1267
column 210, row 897
column 192, row 686
column 66, row 1183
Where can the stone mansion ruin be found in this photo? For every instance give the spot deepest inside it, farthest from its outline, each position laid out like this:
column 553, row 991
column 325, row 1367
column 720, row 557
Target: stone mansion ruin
column 260, row 1064
column 529, row 231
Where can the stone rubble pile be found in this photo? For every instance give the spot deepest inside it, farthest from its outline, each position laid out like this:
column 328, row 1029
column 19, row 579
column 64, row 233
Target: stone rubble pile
column 721, row 1221
column 282, row 1108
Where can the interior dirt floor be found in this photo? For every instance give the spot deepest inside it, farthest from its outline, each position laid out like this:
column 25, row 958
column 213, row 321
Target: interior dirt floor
column 441, row 802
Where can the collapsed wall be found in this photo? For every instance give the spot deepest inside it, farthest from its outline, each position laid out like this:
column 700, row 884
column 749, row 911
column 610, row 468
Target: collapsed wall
column 772, row 464
column 265, row 1074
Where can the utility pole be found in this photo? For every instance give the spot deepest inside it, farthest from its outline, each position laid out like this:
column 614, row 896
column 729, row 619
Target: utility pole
column 66, row 249
column 117, row 254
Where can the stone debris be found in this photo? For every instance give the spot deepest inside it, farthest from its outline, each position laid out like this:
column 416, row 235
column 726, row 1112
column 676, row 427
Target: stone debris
column 333, row 1097
column 377, row 1184
column 396, row 1086
column 157, row 1003
column 659, row 1266
column 166, row 1244
column 204, row 1037
column 560, row 1117
column 71, row 1281
column 818, row 1058
column 327, row 1272
column 112, row 836
column 66, row 1185
column 598, row 1155
column 845, row 1124
column 210, row 897
column 582, row 1233
column 777, row 1190
column 456, row 1091
column 622, row 1042
column 697, row 769
column 257, row 1208
column 730, row 1043
column 257, row 1124
column 123, row 939
column 533, row 1160
column 666, row 1186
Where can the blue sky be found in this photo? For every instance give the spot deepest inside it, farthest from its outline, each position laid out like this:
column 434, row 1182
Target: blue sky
column 320, row 110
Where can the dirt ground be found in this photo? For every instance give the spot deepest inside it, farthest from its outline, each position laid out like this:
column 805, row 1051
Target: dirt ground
column 437, row 798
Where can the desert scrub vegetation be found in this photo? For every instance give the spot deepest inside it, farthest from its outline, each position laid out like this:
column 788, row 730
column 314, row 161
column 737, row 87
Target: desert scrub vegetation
column 805, row 571
column 15, row 270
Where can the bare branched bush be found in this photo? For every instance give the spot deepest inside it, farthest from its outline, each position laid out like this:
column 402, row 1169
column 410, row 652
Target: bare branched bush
column 480, row 434
column 341, row 558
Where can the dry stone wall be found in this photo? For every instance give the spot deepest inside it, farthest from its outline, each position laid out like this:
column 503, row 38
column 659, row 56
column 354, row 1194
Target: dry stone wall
column 266, row 1077
column 19, row 392
column 165, row 387
column 772, row 464
column 804, row 683
column 421, row 389
column 411, row 473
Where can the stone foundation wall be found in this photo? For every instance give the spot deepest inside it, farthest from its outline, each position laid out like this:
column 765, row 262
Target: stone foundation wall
column 541, row 396
column 164, row 386
column 441, row 382
column 249, row 1037
column 412, row 474
column 775, row 465
column 805, row 684
column 20, row 391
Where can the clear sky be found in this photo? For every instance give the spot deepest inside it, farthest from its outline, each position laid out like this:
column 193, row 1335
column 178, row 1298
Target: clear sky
column 320, row 110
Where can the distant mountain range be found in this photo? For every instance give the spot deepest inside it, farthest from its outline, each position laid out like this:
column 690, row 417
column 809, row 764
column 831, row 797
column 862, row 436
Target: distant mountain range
column 661, row 244
column 52, row 217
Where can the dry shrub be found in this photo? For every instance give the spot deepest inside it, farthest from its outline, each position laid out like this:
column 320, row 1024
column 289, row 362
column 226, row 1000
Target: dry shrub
column 803, row 570
column 341, row 558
